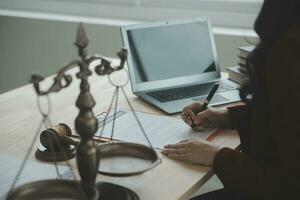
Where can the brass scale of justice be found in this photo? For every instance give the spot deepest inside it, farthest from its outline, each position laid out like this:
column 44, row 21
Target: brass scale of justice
column 88, row 153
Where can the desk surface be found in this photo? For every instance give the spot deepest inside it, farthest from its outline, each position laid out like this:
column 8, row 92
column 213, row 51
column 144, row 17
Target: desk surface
column 19, row 119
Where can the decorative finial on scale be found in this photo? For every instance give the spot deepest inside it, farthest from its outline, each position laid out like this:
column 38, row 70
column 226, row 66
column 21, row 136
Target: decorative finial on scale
column 86, row 125
column 81, row 39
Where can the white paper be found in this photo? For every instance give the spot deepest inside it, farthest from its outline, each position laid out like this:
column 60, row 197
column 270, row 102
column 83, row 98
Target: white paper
column 161, row 130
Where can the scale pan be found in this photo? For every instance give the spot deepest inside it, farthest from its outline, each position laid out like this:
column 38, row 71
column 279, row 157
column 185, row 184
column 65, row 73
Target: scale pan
column 125, row 159
column 52, row 190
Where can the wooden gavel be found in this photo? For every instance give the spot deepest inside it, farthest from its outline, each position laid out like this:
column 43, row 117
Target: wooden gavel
column 57, row 137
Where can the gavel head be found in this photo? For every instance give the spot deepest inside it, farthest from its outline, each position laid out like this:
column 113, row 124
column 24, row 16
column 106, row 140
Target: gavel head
column 57, row 137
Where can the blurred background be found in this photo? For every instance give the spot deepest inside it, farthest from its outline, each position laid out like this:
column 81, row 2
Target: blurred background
column 37, row 36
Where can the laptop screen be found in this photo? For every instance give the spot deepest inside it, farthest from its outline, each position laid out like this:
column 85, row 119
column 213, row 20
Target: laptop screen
column 171, row 51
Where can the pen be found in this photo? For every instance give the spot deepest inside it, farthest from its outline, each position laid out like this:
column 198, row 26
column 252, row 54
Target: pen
column 207, row 100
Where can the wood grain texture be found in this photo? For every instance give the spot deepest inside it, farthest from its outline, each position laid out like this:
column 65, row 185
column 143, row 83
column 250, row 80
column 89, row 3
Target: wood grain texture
column 19, row 119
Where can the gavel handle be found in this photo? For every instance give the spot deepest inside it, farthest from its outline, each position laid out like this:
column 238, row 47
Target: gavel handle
column 95, row 138
column 69, row 141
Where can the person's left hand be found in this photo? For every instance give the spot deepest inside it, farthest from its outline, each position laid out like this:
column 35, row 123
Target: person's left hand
column 193, row 151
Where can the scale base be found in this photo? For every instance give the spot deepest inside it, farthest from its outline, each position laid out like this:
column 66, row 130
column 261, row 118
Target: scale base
column 47, row 156
column 110, row 191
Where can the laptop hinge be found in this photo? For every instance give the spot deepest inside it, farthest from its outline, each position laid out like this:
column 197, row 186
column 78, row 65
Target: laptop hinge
column 177, row 86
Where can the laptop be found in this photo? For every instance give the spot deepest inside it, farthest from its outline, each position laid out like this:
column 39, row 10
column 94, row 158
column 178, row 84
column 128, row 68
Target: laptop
column 174, row 63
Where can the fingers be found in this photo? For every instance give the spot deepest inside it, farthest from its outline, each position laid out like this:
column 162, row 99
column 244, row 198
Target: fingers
column 187, row 118
column 174, row 151
column 179, row 148
column 190, row 112
column 198, row 127
column 176, row 146
column 188, row 115
column 192, row 109
column 201, row 117
column 195, row 107
column 181, row 157
column 184, row 141
column 179, row 151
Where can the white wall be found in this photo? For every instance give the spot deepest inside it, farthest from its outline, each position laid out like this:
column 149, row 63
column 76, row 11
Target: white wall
column 30, row 46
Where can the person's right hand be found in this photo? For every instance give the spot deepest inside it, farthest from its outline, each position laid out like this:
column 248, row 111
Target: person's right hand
column 209, row 118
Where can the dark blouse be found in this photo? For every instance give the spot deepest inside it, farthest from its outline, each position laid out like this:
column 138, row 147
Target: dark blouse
column 268, row 167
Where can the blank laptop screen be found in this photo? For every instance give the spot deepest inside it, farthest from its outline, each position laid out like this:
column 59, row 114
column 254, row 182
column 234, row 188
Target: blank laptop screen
column 171, row 51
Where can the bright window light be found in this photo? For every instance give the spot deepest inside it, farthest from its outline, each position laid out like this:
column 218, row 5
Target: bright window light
column 223, row 13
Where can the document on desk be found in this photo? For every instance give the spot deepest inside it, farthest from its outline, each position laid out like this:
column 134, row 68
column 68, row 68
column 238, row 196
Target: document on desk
column 33, row 171
column 161, row 130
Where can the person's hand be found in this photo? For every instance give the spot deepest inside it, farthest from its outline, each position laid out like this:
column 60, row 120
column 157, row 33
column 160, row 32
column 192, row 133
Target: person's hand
column 209, row 118
column 193, row 151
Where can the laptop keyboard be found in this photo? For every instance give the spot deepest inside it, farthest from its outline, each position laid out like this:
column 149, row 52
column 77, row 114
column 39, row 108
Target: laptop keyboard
column 187, row 92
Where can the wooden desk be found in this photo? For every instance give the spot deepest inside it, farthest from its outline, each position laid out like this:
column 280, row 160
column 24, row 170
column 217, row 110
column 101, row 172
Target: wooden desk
column 19, row 119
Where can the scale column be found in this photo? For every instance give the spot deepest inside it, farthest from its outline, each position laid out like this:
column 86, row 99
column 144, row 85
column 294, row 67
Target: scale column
column 86, row 123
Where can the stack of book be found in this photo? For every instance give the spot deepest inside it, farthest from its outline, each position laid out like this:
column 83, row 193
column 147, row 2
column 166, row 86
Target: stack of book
column 238, row 73
column 243, row 53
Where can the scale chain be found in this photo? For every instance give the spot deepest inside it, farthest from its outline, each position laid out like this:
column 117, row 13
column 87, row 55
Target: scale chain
column 47, row 120
column 108, row 111
column 136, row 117
column 46, row 126
column 115, row 112
column 27, row 155
column 115, row 100
column 64, row 155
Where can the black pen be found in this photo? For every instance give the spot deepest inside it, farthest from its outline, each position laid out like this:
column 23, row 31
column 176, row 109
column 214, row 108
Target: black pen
column 207, row 100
